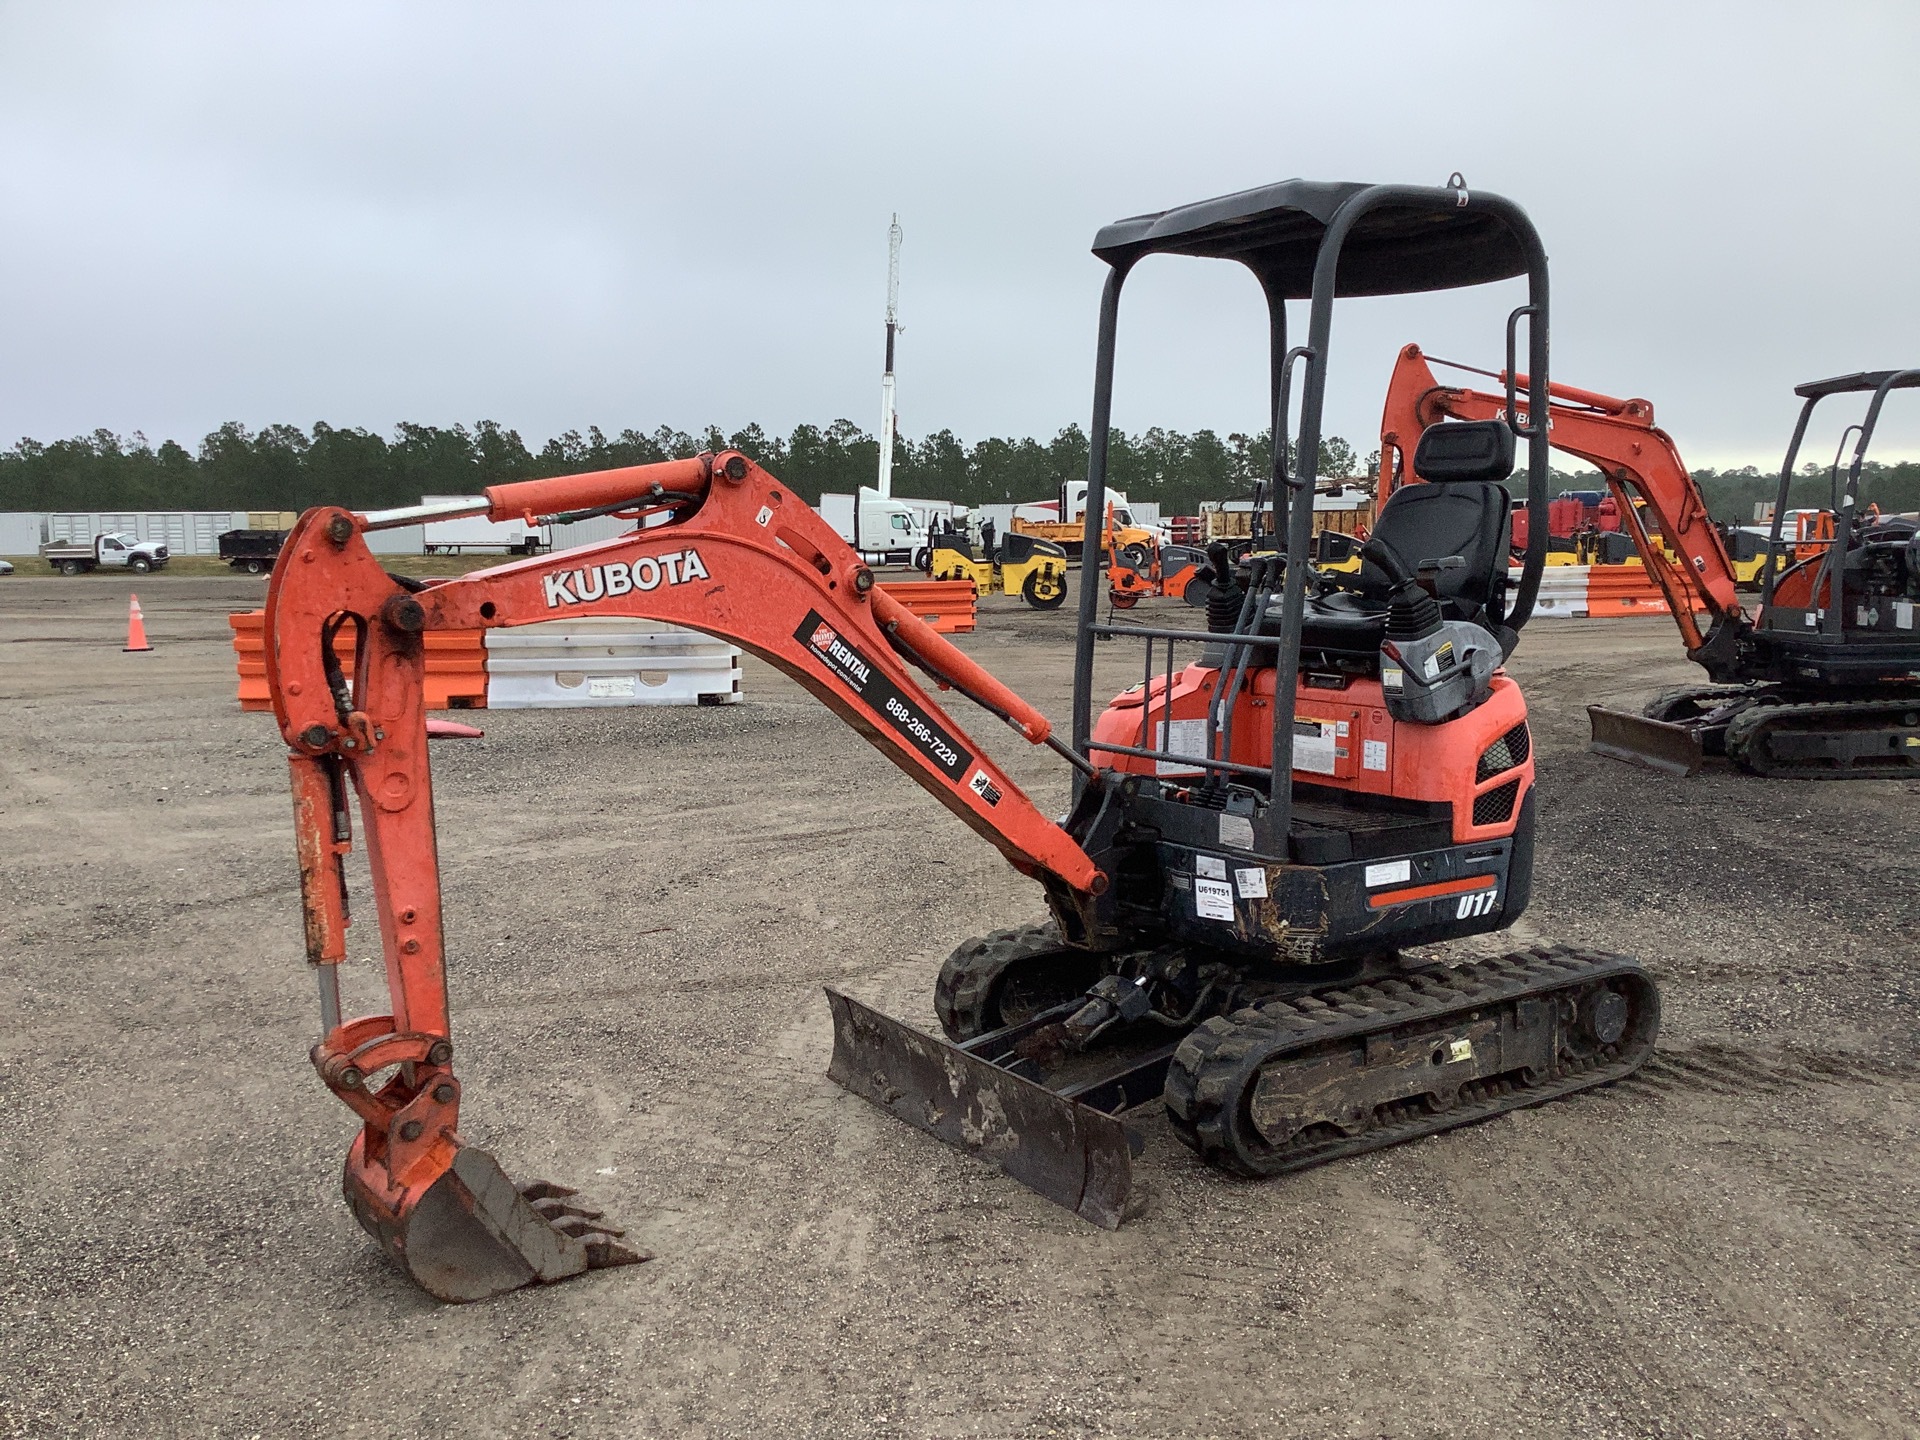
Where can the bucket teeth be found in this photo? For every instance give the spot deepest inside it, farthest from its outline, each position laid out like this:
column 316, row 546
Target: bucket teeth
column 473, row 1234
column 557, row 1210
column 604, row 1252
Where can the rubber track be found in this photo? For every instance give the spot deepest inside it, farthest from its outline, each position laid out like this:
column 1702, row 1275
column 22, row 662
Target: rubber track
column 1216, row 1065
column 968, row 975
column 1746, row 731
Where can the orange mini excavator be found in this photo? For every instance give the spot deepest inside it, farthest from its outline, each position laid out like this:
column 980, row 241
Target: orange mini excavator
column 1800, row 687
column 1333, row 771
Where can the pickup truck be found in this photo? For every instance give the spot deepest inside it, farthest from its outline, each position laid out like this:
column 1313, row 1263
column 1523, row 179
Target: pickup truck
column 253, row 551
column 118, row 549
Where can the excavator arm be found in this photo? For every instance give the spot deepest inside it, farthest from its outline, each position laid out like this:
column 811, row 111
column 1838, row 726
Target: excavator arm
column 1639, row 461
column 726, row 549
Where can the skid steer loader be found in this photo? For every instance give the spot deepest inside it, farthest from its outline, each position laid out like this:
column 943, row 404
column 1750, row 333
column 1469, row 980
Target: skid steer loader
column 1334, row 771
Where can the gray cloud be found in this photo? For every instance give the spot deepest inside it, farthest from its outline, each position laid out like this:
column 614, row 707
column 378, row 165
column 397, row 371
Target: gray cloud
column 565, row 215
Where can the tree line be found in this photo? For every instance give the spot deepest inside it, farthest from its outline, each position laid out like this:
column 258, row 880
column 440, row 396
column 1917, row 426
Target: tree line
column 282, row 467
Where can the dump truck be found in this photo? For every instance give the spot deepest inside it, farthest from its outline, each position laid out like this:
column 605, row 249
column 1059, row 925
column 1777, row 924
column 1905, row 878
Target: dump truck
column 114, row 550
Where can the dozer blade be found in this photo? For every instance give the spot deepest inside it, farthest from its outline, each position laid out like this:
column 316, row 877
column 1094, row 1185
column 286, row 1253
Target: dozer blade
column 1661, row 745
column 473, row 1234
column 1071, row 1153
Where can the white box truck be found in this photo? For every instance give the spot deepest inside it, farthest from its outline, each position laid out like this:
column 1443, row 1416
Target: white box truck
column 475, row 534
column 885, row 531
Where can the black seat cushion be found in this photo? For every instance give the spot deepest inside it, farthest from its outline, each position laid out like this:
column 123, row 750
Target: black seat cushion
column 1459, row 510
column 1434, row 520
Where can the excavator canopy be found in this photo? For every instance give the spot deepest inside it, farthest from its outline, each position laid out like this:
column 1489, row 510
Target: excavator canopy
column 1276, row 230
column 1856, row 383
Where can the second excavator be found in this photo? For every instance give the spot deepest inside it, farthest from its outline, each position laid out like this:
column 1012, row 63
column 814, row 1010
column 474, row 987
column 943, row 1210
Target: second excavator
column 1263, row 832
column 1801, row 686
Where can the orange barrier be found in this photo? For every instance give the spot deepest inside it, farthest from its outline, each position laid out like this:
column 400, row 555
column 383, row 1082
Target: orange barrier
column 456, row 664
column 1616, row 590
column 949, row 606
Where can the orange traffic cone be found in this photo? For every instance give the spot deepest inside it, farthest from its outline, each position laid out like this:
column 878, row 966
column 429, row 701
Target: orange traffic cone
column 136, row 629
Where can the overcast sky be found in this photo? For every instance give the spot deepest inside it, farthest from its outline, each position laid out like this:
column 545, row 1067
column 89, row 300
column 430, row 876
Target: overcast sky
column 562, row 215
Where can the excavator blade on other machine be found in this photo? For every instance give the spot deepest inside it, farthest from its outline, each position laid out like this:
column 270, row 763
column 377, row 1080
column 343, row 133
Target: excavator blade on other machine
column 473, row 1234
column 1061, row 1141
column 1663, row 745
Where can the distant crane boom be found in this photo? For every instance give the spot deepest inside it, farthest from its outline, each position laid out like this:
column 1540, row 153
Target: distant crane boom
column 886, row 379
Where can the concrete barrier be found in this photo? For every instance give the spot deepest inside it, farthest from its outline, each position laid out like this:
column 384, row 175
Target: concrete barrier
column 600, row 662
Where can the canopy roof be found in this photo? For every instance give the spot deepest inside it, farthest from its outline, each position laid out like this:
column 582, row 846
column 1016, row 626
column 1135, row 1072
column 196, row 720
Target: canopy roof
column 1276, row 230
column 1850, row 384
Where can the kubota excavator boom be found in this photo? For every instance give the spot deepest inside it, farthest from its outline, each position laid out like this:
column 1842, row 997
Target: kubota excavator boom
column 750, row 562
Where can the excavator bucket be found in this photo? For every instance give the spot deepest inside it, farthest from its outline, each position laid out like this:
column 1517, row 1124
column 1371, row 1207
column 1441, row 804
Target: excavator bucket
column 1070, row 1152
column 473, row 1234
column 1672, row 749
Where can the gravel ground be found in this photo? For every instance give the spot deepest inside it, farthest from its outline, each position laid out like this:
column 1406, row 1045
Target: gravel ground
column 642, row 906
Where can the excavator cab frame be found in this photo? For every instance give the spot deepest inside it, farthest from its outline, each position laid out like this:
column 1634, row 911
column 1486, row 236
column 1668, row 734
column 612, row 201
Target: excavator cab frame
column 1843, row 504
column 1319, row 242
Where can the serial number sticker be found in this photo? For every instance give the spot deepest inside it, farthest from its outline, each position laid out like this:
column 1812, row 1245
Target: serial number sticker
column 1373, row 754
column 1211, row 866
column 1237, row 831
column 1212, row 899
column 1389, row 872
column 1252, row 883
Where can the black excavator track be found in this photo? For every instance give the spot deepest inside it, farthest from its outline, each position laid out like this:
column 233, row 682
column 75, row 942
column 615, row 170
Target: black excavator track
column 1296, row 1083
column 1296, row 1079
column 1009, row 976
column 1828, row 740
column 1766, row 730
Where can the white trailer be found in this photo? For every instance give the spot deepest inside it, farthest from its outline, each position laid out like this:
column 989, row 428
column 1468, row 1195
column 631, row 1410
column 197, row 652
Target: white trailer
column 478, row 535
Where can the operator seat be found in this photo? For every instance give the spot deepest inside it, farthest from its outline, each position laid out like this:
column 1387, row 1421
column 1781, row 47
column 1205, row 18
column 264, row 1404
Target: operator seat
column 1461, row 509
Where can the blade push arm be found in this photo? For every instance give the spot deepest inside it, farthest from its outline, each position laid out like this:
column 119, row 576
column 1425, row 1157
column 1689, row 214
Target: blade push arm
column 1639, row 461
